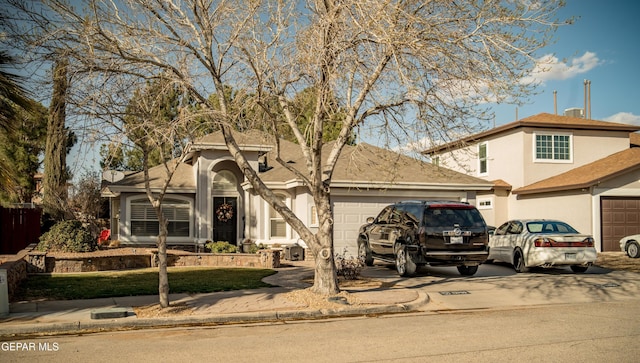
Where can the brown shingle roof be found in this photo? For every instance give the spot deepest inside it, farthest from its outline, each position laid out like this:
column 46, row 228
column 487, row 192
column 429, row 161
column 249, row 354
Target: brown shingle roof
column 359, row 166
column 541, row 120
column 366, row 164
column 501, row 184
column 182, row 179
column 587, row 175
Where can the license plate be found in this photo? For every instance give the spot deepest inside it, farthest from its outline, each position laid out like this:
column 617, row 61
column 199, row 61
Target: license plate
column 569, row 256
column 456, row 239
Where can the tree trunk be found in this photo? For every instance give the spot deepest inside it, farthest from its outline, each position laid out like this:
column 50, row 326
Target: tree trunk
column 325, row 280
column 163, row 276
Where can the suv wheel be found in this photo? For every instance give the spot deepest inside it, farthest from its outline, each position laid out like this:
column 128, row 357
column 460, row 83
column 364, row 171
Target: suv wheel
column 364, row 253
column 467, row 270
column 404, row 263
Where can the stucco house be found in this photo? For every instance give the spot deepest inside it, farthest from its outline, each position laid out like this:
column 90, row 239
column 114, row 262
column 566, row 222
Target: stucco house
column 585, row 172
column 208, row 199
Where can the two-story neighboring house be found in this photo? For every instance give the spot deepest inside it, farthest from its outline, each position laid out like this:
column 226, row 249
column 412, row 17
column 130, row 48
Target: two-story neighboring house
column 209, row 199
column 585, row 172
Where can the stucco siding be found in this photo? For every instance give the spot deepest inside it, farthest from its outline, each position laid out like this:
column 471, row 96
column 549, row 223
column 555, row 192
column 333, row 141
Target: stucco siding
column 574, row 208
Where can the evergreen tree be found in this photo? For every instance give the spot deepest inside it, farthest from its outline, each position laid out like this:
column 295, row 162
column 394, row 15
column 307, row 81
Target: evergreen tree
column 55, row 164
column 13, row 100
column 22, row 150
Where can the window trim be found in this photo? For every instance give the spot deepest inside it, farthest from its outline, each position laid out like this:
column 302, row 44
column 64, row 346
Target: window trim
column 480, row 201
column 553, row 147
column 486, row 159
column 313, row 216
column 270, row 219
column 167, row 202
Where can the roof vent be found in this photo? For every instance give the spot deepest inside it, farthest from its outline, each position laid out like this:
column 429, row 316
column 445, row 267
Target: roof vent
column 574, row 112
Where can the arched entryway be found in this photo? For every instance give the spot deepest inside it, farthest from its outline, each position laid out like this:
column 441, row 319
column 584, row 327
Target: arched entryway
column 225, row 207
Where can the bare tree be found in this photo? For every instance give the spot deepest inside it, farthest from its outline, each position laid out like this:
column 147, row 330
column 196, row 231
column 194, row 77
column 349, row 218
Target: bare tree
column 155, row 121
column 392, row 68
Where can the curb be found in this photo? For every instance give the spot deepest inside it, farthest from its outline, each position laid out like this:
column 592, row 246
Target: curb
column 23, row 330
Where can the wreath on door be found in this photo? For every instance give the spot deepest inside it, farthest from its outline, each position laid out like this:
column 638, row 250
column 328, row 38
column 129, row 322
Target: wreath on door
column 224, row 212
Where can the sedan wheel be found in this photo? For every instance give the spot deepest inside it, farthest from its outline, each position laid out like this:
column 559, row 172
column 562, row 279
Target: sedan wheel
column 633, row 250
column 404, row 264
column 518, row 262
column 579, row 269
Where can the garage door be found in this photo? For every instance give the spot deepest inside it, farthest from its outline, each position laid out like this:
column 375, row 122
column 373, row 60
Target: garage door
column 349, row 214
column 620, row 217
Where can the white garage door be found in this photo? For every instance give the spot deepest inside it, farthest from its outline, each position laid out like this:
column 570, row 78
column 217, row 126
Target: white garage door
column 349, row 214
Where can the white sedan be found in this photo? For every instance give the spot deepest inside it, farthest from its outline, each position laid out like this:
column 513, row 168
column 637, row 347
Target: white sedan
column 630, row 245
column 528, row 243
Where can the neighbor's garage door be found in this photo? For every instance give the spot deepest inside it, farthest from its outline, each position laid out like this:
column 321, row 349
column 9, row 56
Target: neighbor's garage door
column 349, row 214
column 620, row 217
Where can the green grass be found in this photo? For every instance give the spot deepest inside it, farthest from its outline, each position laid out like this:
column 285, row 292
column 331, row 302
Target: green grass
column 91, row 285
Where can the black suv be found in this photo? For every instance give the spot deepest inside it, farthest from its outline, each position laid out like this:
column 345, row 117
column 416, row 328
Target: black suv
column 415, row 233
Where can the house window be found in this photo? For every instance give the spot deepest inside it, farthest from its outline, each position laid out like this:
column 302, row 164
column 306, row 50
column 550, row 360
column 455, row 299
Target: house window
column 144, row 222
column 224, row 181
column 313, row 216
column 278, row 227
column 482, row 158
column 435, row 160
column 553, row 147
column 486, row 203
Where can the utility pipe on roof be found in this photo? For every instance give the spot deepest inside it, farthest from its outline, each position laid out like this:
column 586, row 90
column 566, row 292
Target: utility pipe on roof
column 589, row 96
column 584, row 115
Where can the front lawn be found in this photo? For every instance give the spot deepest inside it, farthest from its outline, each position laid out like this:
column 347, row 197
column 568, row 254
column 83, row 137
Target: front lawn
column 91, row 285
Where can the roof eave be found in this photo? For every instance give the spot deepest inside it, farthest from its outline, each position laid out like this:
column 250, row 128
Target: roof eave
column 116, row 190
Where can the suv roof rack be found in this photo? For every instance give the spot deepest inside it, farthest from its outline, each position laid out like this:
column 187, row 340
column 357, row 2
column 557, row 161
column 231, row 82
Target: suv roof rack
column 432, row 202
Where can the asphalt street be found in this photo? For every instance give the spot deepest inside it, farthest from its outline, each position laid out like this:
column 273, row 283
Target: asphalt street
column 595, row 332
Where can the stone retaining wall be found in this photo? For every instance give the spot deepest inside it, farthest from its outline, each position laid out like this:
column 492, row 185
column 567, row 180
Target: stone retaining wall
column 16, row 273
column 39, row 262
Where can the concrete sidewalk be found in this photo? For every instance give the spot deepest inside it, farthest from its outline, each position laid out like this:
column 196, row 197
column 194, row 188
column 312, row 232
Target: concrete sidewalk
column 243, row 306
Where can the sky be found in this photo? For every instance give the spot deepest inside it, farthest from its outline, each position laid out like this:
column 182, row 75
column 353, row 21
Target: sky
column 601, row 46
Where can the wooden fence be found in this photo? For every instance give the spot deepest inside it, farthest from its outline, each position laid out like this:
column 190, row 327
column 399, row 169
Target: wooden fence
column 19, row 227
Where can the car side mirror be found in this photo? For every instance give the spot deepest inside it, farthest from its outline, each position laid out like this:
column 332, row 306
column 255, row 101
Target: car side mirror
column 370, row 220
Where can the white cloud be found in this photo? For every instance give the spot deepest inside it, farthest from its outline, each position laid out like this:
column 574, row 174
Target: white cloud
column 414, row 149
column 549, row 67
column 624, row 118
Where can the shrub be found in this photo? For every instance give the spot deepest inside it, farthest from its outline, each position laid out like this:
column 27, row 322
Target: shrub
column 221, row 247
column 256, row 247
column 350, row 267
column 253, row 248
column 67, row 236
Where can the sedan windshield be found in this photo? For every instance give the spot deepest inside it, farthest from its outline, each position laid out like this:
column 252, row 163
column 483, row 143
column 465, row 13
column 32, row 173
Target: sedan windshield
column 549, row 227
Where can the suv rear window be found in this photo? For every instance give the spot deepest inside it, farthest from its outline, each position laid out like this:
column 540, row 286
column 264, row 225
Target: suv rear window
column 450, row 215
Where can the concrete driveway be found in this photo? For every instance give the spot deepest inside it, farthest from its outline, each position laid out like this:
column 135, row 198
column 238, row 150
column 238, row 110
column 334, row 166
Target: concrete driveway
column 499, row 286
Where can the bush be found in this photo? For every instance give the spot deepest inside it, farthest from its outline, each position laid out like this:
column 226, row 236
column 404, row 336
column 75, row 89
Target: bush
column 254, row 248
column 67, row 236
column 348, row 267
column 221, row 247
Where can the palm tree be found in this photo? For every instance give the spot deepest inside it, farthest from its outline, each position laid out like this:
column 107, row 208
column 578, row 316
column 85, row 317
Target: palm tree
column 12, row 97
